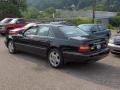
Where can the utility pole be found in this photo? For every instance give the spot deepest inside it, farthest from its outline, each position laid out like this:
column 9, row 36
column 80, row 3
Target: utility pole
column 94, row 10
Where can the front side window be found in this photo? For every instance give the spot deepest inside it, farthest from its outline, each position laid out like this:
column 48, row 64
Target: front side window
column 31, row 31
column 43, row 31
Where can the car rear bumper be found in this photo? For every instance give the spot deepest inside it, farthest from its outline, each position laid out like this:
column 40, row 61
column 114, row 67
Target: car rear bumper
column 2, row 29
column 78, row 57
column 114, row 48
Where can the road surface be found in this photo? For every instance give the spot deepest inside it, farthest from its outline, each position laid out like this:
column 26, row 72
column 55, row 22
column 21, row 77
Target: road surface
column 28, row 72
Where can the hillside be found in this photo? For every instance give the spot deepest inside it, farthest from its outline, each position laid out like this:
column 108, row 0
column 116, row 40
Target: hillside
column 110, row 5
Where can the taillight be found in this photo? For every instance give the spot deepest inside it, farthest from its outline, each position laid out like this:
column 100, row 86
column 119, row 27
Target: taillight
column 84, row 48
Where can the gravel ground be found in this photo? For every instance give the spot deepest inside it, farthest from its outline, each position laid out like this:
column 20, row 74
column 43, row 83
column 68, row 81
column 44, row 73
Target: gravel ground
column 28, row 72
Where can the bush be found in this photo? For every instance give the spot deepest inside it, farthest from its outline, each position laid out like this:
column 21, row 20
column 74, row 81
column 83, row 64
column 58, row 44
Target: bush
column 110, row 26
column 115, row 21
column 78, row 21
column 118, row 14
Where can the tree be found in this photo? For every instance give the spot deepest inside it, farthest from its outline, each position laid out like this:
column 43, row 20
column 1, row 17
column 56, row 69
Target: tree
column 12, row 8
column 19, row 3
column 110, row 5
column 8, row 9
column 31, row 13
column 115, row 21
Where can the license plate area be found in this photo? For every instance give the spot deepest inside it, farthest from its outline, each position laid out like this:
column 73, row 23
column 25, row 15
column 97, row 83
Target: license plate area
column 96, row 46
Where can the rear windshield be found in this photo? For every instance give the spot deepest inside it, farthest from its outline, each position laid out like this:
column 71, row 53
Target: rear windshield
column 92, row 27
column 85, row 27
column 72, row 31
column 6, row 20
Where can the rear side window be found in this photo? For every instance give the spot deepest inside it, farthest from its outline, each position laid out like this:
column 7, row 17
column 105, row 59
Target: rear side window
column 58, row 33
column 21, row 21
column 43, row 31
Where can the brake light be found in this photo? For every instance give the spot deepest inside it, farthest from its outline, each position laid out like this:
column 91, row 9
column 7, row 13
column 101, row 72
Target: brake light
column 84, row 48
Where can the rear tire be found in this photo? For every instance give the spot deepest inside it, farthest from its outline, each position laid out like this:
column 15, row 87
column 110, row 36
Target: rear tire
column 11, row 47
column 55, row 58
column 114, row 53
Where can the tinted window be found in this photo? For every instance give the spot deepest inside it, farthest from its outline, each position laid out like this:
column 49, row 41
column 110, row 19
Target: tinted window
column 31, row 31
column 13, row 21
column 85, row 27
column 43, row 31
column 6, row 20
column 95, row 28
column 58, row 33
column 101, row 27
column 21, row 21
column 92, row 27
column 72, row 31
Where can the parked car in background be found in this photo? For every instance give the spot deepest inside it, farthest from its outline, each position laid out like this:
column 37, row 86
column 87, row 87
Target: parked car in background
column 114, row 44
column 6, row 20
column 17, row 30
column 60, row 43
column 96, row 29
column 14, row 23
column 3, row 23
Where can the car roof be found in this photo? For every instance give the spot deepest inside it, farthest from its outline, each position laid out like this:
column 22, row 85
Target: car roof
column 89, row 24
column 54, row 25
column 61, row 23
column 8, row 18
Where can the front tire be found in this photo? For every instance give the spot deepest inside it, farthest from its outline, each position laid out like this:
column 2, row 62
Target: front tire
column 55, row 58
column 11, row 47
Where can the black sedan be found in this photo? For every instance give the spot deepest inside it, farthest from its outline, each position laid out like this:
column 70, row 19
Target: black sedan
column 60, row 43
column 114, row 44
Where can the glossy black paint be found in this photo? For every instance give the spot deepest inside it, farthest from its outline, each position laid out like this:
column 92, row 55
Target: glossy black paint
column 68, row 46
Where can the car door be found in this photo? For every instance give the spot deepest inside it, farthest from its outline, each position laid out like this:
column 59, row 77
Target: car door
column 26, row 41
column 42, row 40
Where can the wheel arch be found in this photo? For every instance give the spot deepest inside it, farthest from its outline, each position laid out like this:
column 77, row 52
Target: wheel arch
column 10, row 39
column 53, row 47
